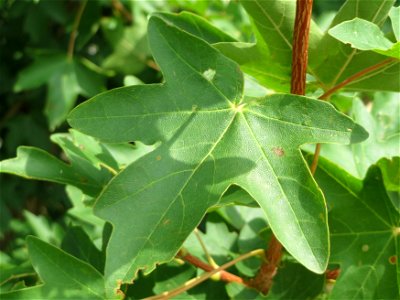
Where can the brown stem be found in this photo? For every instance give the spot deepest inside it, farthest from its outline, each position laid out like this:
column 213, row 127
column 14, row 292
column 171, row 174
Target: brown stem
column 356, row 76
column 72, row 38
column 337, row 87
column 332, row 274
column 124, row 12
column 314, row 163
column 268, row 269
column 300, row 46
column 263, row 281
column 196, row 281
column 224, row 275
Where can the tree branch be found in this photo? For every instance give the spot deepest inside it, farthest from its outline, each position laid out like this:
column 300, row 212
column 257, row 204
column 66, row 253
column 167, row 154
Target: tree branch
column 196, row 281
column 124, row 12
column 75, row 26
column 356, row 76
column 268, row 269
column 300, row 46
column 337, row 87
column 224, row 275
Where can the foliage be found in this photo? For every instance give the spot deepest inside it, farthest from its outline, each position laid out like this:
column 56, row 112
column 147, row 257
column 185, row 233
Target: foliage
column 191, row 154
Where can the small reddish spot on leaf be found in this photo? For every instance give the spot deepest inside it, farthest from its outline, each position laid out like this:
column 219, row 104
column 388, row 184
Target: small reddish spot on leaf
column 166, row 221
column 393, row 259
column 278, row 151
column 158, row 157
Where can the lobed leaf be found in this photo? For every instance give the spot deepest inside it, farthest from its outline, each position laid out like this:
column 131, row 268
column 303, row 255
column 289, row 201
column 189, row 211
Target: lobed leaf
column 64, row 276
column 364, row 234
column 332, row 61
column 212, row 137
column 364, row 35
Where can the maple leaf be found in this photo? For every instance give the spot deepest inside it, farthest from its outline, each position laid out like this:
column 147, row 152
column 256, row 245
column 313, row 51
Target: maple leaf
column 211, row 137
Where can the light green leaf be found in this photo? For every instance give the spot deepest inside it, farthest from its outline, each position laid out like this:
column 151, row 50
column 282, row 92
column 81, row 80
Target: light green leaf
column 394, row 15
column 365, row 35
column 43, row 229
column 211, row 138
column 130, row 46
column 39, row 72
column 383, row 125
column 332, row 61
column 34, row 163
column 91, row 164
column 64, row 276
column 365, row 234
column 378, row 144
column 197, row 26
column 390, row 169
column 269, row 60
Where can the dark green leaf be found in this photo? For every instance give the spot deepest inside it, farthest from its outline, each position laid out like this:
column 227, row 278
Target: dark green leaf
column 211, row 138
column 64, row 276
column 364, row 234
column 77, row 243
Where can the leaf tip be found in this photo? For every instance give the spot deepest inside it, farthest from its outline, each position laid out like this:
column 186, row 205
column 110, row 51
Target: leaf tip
column 358, row 134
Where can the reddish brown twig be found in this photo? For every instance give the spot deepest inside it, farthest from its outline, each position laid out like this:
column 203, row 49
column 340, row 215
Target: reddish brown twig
column 332, row 274
column 300, row 46
column 118, row 6
column 224, row 275
column 356, row 76
column 268, row 269
column 328, row 93
column 74, row 32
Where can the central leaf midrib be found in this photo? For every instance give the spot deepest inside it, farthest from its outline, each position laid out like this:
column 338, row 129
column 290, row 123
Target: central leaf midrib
column 279, row 184
column 180, row 192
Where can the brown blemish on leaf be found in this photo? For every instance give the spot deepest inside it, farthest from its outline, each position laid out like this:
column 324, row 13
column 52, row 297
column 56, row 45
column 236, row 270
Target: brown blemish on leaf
column 365, row 248
column 166, row 221
column 158, row 157
column 322, row 217
column 278, row 151
column 393, row 259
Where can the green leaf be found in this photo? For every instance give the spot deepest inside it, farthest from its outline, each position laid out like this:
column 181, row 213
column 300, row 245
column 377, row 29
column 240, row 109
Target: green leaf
column 33, row 163
column 91, row 164
column 365, row 35
column 292, row 281
column 65, row 79
column 130, row 46
column 64, row 276
column 378, row 144
column 77, row 243
column 197, row 26
column 394, row 15
column 332, row 61
column 211, row 138
column 390, row 169
column 43, row 229
column 364, row 234
column 383, row 126
column 269, row 60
